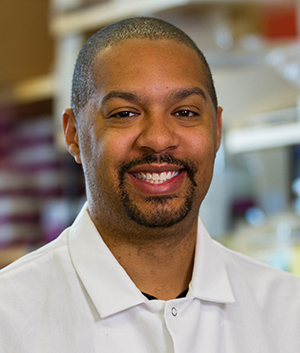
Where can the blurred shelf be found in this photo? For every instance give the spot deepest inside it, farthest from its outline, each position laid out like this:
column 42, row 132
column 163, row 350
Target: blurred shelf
column 98, row 15
column 258, row 138
column 90, row 17
column 28, row 91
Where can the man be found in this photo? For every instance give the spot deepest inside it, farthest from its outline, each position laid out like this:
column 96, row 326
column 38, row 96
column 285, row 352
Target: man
column 137, row 271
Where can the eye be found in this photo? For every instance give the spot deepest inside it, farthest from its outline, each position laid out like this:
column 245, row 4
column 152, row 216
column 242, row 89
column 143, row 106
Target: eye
column 123, row 114
column 185, row 113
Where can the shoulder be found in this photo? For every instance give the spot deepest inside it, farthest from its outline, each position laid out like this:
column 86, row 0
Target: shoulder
column 40, row 286
column 39, row 263
column 267, row 301
column 266, row 283
column 34, row 281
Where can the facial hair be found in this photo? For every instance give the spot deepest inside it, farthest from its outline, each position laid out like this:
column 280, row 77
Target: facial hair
column 161, row 216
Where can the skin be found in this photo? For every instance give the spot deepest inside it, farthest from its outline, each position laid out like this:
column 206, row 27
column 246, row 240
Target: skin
column 162, row 107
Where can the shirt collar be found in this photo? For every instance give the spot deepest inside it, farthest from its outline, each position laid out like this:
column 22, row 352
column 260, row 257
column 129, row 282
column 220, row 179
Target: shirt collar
column 112, row 290
column 106, row 282
column 210, row 280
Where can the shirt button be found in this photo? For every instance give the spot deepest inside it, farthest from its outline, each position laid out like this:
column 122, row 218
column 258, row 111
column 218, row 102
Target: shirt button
column 174, row 311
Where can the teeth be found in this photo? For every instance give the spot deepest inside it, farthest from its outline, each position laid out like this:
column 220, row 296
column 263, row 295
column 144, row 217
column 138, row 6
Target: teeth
column 155, row 178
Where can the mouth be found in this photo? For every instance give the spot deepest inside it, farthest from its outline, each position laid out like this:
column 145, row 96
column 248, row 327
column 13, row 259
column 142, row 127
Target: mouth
column 157, row 175
column 156, row 178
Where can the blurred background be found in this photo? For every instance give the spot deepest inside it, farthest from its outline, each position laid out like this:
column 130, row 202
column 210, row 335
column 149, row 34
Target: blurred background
column 253, row 48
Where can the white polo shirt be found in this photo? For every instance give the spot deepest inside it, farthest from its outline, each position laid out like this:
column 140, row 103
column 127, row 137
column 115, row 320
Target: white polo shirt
column 72, row 296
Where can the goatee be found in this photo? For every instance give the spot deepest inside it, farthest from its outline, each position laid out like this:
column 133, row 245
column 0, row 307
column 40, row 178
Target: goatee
column 160, row 216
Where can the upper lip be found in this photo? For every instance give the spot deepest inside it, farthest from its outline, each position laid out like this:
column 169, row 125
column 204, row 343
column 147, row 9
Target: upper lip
column 155, row 168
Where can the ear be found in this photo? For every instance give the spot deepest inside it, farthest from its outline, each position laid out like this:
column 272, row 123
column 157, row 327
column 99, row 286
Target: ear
column 219, row 126
column 71, row 134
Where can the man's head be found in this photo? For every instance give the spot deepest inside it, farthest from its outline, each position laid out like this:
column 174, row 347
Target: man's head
column 141, row 27
column 147, row 128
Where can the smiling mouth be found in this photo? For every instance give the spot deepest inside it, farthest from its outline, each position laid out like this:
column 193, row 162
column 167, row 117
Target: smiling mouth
column 156, row 178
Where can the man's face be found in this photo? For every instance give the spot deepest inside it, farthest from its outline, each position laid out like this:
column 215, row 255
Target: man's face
column 149, row 135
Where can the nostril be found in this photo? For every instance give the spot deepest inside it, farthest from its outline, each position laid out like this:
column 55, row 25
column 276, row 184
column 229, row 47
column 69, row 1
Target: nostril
column 157, row 139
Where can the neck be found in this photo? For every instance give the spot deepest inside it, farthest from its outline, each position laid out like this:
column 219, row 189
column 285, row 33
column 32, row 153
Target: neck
column 161, row 266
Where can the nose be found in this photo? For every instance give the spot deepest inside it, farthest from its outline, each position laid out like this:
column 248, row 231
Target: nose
column 158, row 134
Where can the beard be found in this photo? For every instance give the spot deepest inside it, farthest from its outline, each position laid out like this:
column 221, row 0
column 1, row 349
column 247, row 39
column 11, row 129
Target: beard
column 161, row 214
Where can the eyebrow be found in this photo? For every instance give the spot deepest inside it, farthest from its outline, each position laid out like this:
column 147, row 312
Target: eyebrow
column 186, row 92
column 175, row 95
column 132, row 97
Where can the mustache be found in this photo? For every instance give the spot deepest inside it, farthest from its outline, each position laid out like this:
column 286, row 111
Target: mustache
column 189, row 166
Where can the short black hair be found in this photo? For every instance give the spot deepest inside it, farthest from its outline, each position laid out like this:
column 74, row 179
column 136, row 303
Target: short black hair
column 138, row 27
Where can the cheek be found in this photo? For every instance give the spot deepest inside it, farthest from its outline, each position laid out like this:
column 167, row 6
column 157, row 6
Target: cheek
column 107, row 152
column 202, row 147
column 91, row 151
column 115, row 147
column 202, row 153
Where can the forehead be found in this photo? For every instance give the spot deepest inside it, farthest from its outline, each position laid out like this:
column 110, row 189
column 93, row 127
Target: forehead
column 136, row 58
